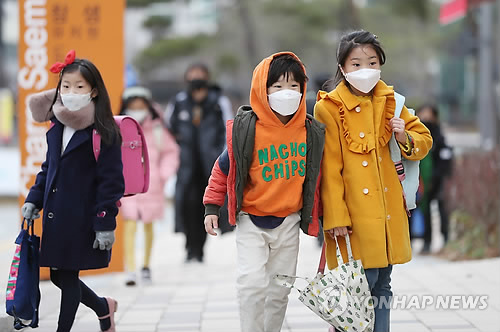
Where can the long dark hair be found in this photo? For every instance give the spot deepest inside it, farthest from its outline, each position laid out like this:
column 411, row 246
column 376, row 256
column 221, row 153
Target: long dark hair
column 103, row 118
column 350, row 41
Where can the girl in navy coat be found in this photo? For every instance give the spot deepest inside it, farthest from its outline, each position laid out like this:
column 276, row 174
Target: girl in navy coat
column 78, row 194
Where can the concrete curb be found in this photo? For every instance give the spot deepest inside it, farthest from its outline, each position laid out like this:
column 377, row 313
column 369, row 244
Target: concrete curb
column 6, row 323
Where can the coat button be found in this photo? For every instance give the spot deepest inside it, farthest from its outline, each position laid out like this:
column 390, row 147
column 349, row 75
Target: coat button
column 388, row 217
column 366, row 191
column 50, row 215
column 54, row 190
column 380, row 159
column 417, row 149
column 364, row 163
column 386, row 189
column 362, row 134
column 358, row 109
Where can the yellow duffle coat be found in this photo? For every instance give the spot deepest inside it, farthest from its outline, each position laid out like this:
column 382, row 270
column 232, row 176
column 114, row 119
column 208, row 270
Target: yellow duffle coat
column 360, row 187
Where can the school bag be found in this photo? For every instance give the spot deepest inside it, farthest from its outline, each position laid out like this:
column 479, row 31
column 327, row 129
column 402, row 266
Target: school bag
column 408, row 170
column 135, row 157
column 23, row 292
column 340, row 297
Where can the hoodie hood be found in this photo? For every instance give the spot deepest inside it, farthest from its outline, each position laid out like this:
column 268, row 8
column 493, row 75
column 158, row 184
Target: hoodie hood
column 259, row 100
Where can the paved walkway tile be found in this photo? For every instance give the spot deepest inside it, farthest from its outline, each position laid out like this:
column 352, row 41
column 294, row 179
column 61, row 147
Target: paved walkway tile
column 203, row 297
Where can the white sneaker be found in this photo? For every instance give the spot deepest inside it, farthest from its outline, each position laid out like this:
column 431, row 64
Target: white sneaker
column 131, row 279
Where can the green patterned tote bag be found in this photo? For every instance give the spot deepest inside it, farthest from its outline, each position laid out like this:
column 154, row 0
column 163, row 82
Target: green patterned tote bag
column 341, row 297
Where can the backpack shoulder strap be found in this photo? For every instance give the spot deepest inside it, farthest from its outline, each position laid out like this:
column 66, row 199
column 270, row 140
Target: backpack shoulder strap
column 400, row 102
column 96, row 143
column 393, row 144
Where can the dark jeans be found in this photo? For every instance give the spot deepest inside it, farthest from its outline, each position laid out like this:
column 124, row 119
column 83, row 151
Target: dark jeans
column 380, row 286
column 74, row 291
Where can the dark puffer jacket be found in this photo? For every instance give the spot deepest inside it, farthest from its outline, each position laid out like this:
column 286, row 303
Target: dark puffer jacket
column 200, row 143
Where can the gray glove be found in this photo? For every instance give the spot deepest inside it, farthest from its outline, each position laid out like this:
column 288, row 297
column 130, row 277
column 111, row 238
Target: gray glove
column 29, row 211
column 104, row 240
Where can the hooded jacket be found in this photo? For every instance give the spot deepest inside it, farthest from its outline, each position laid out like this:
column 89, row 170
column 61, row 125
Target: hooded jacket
column 269, row 168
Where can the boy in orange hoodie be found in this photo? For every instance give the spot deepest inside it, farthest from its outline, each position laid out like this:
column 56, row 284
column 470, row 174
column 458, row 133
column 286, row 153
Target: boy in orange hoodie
column 271, row 174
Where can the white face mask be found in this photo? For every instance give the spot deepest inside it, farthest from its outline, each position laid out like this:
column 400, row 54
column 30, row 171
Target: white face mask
column 363, row 79
column 75, row 102
column 137, row 115
column 285, row 102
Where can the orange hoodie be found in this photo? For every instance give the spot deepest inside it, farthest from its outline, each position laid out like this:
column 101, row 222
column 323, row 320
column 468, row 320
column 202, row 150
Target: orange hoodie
column 277, row 172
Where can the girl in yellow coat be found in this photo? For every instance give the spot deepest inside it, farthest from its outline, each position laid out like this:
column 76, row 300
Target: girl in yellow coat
column 360, row 189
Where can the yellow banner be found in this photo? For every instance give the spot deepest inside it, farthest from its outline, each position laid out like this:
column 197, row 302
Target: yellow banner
column 48, row 30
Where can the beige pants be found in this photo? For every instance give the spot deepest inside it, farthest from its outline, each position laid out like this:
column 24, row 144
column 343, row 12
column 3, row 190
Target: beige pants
column 263, row 253
column 130, row 229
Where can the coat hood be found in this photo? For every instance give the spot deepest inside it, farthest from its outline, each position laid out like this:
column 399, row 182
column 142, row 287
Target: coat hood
column 258, row 95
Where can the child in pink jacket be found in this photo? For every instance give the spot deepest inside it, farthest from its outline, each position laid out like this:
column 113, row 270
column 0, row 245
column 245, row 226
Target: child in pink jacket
column 163, row 163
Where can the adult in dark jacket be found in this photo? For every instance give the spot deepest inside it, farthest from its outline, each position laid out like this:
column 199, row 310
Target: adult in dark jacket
column 78, row 194
column 441, row 157
column 197, row 119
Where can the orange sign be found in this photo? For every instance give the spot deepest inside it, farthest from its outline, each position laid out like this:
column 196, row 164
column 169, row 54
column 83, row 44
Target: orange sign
column 48, row 30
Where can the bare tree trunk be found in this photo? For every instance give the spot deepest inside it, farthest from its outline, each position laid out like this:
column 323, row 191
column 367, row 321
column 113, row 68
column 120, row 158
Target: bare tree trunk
column 487, row 116
column 497, row 101
column 2, row 73
column 354, row 13
column 249, row 30
column 349, row 15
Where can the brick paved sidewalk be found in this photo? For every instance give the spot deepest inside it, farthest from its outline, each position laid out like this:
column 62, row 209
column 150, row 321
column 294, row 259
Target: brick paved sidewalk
column 202, row 297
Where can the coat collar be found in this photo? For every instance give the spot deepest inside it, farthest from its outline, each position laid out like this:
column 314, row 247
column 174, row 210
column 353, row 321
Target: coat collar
column 383, row 103
column 54, row 136
column 345, row 95
column 79, row 137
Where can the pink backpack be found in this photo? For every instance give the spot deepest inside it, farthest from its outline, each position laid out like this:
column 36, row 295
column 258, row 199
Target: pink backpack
column 135, row 156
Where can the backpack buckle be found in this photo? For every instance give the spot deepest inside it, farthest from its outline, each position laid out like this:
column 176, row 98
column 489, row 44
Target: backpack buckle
column 133, row 145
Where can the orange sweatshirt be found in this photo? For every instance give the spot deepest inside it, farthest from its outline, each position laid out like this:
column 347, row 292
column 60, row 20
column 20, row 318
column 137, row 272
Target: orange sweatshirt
column 278, row 167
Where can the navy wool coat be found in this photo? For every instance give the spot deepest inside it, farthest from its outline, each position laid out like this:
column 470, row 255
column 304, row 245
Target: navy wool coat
column 78, row 196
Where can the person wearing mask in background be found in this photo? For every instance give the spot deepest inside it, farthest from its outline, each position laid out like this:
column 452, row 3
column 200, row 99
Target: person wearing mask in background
column 196, row 117
column 434, row 169
column 163, row 162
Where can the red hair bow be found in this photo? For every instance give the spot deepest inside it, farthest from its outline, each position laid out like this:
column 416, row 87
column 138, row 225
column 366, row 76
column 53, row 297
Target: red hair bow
column 58, row 66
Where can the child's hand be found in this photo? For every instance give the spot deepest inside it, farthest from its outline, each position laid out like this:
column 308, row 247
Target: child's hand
column 29, row 211
column 211, row 222
column 398, row 128
column 338, row 231
column 104, row 240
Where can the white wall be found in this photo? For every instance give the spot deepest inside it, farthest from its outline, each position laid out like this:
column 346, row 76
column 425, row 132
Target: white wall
column 10, row 163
